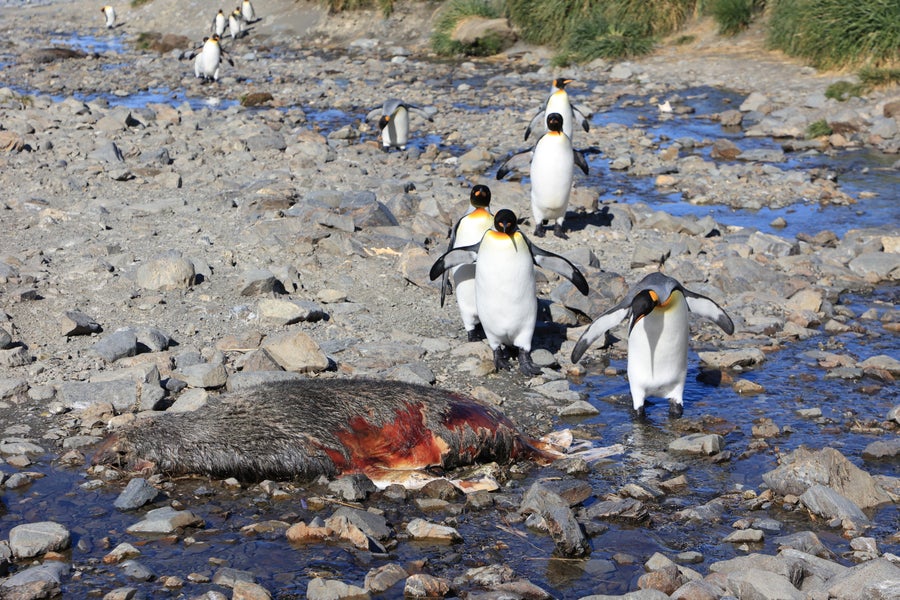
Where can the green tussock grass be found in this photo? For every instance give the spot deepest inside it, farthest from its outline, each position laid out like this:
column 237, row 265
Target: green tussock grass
column 818, row 129
column 335, row 6
column 137, row 3
column 837, row 33
column 597, row 38
column 842, row 90
column 873, row 77
column 454, row 12
column 733, row 16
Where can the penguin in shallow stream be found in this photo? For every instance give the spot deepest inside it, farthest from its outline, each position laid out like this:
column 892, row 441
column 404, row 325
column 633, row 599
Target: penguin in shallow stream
column 393, row 121
column 658, row 307
column 558, row 102
column 553, row 162
column 467, row 231
column 505, row 289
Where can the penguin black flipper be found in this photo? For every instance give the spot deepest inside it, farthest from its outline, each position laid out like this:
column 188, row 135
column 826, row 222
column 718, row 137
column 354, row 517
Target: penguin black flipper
column 537, row 119
column 515, row 162
column 580, row 161
column 465, row 255
column 445, row 278
column 600, row 326
column 705, row 307
column 582, row 116
column 558, row 264
column 422, row 112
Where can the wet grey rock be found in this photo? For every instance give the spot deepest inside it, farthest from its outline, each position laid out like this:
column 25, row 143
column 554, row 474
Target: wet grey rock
column 330, row 589
column 352, row 488
column 551, row 513
column 15, row 446
column 137, row 493
column 228, row 577
column 422, row 585
column 826, row 502
column 421, row 529
column 742, row 536
column 698, row 443
column 881, row 449
column 32, row 583
column 133, row 569
column 119, row 344
column 384, row 577
column 75, row 322
column 711, row 512
column 867, row 581
column 804, row 541
column 803, row 468
column 165, row 520
column 729, row 359
column 33, row 539
column 627, row 509
column 878, row 265
column 371, row 524
column 755, row 583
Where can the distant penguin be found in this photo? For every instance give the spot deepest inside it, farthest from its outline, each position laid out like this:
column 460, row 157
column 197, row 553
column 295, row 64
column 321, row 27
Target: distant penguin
column 219, row 23
column 467, row 231
column 505, row 289
column 236, row 23
column 208, row 58
column 558, row 102
column 247, row 11
column 110, row 14
column 658, row 306
column 393, row 121
column 553, row 162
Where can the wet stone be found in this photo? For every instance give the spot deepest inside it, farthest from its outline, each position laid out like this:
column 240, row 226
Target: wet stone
column 552, row 513
column 352, row 488
column 371, row 524
column 383, row 578
column 826, row 502
column 137, row 493
column 165, row 520
column 882, row 449
column 698, row 443
column 33, row 539
column 133, row 569
column 228, row 577
column 330, row 589
column 422, row 585
column 420, row 529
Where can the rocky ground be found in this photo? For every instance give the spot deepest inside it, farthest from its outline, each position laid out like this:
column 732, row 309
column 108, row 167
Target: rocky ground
column 154, row 255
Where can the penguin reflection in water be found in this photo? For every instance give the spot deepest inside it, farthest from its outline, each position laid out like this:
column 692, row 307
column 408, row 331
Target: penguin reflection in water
column 393, row 121
column 658, row 334
column 467, row 231
column 208, row 58
column 505, row 289
column 553, row 162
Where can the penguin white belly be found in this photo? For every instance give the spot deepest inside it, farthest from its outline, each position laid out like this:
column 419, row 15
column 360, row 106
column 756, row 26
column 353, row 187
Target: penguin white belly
column 551, row 178
column 207, row 62
column 247, row 11
column 657, row 353
column 470, row 231
column 397, row 131
column 559, row 103
column 110, row 17
column 220, row 25
column 505, row 294
column 234, row 27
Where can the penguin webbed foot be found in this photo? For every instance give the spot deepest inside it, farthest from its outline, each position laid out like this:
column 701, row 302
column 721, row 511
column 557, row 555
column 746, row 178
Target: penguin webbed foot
column 501, row 359
column 559, row 232
column 640, row 413
column 526, row 365
column 476, row 334
column 539, row 230
column 675, row 409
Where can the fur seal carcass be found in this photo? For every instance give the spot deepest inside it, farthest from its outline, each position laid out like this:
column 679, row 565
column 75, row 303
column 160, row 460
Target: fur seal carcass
column 306, row 428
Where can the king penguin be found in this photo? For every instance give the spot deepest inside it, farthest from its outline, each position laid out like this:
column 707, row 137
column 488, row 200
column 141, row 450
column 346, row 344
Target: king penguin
column 219, row 24
column 247, row 11
column 658, row 306
column 558, row 102
column 208, row 58
column 505, row 289
column 110, row 14
column 236, row 23
column 467, row 231
column 553, row 162
column 393, row 121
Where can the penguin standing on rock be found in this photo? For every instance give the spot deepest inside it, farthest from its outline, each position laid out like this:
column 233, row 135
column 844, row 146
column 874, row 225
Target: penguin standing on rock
column 393, row 121
column 247, row 11
column 558, row 102
column 553, row 162
column 208, row 58
column 219, row 23
column 236, row 23
column 658, row 307
column 467, row 231
column 109, row 14
column 505, row 289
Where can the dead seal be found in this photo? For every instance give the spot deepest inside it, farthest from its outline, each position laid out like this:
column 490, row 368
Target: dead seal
column 306, row 428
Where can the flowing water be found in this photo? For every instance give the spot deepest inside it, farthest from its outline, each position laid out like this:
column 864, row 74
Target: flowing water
column 851, row 412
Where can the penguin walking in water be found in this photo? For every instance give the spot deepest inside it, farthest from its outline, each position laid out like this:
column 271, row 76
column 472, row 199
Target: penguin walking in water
column 236, row 23
column 553, row 162
column 208, row 58
column 393, row 121
column 468, row 231
column 558, row 102
column 505, row 289
column 219, row 23
column 109, row 13
column 247, row 11
column 658, row 307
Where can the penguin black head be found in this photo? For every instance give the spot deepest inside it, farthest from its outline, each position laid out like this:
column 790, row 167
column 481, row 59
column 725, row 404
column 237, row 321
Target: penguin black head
column 554, row 122
column 561, row 83
column 505, row 222
column 480, row 197
column 383, row 121
column 642, row 305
